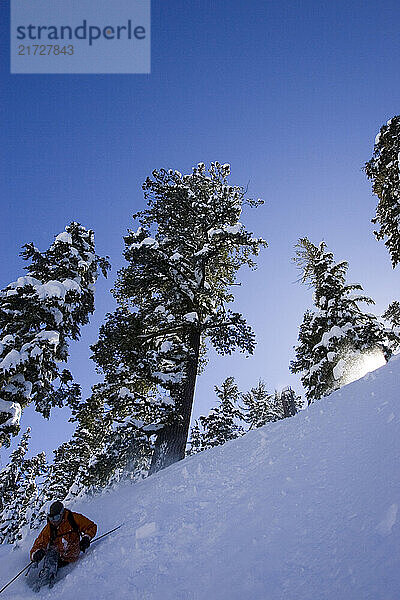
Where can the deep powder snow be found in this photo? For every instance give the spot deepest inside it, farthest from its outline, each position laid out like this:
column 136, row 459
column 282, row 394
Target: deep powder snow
column 303, row 509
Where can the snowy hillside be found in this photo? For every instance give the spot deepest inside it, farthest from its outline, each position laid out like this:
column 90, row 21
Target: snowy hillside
column 303, row 509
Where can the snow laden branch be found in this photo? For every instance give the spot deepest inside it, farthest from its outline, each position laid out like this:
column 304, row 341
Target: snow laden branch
column 225, row 331
column 383, row 171
column 39, row 313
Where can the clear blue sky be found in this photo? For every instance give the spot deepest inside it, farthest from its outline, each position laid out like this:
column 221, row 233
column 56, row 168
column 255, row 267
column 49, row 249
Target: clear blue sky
column 290, row 93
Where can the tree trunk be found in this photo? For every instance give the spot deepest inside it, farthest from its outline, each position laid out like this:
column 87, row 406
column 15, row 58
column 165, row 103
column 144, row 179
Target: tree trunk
column 171, row 441
column 288, row 403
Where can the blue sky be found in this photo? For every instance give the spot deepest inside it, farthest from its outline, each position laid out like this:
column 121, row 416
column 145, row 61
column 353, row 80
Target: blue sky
column 290, row 93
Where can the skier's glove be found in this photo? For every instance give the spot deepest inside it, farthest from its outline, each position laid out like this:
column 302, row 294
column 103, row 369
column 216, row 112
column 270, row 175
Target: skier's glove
column 84, row 543
column 38, row 555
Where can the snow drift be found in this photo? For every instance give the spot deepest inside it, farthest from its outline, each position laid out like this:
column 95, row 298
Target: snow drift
column 301, row 509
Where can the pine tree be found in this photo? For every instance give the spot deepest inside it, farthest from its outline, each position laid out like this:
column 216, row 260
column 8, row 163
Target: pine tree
column 392, row 315
column 383, row 171
column 290, row 402
column 132, row 409
column 173, row 295
column 39, row 313
column 109, row 442
column 235, row 410
column 260, row 406
column 24, row 503
column 222, row 423
column 10, row 473
column 19, row 490
column 125, row 454
column 196, row 439
column 115, row 445
column 338, row 330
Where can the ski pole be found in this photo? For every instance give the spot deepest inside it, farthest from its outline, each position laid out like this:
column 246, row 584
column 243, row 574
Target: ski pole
column 20, row 573
column 104, row 534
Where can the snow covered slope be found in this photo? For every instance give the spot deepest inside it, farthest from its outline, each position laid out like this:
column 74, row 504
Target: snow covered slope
column 303, row 509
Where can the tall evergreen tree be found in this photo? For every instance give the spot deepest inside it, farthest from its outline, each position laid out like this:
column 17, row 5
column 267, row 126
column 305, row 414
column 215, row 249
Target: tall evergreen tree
column 39, row 313
column 337, row 329
column 383, row 171
column 173, row 294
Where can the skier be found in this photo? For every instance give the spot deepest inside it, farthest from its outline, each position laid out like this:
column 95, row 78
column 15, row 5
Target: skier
column 61, row 540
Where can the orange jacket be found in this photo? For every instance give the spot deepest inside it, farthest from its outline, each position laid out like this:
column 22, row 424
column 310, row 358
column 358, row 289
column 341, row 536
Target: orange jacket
column 64, row 538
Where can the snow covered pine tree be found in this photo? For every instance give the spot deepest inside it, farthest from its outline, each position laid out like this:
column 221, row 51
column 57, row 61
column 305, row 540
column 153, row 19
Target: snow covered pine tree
column 67, row 476
column 291, row 403
column 38, row 314
column 19, row 490
column 173, row 294
column 254, row 408
column 109, row 443
column 338, row 330
column 383, row 170
column 120, row 419
column 261, row 407
column 222, row 423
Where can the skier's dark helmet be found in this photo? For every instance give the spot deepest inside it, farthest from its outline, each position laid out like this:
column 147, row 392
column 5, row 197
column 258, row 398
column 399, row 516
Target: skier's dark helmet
column 56, row 512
